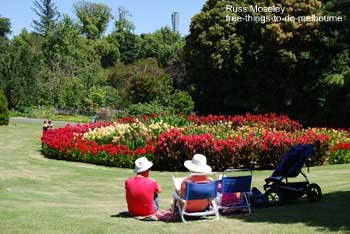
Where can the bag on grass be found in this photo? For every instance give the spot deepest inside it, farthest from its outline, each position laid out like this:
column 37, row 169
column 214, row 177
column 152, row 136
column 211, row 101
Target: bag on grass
column 258, row 199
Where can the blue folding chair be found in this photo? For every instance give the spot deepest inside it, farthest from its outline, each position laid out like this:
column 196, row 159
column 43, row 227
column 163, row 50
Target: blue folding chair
column 197, row 191
column 233, row 184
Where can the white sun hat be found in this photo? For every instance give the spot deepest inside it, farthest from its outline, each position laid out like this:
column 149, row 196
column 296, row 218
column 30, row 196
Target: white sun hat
column 198, row 164
column 142, row 164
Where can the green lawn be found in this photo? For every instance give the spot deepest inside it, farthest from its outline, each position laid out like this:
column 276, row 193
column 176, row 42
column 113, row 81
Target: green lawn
column 39, row 195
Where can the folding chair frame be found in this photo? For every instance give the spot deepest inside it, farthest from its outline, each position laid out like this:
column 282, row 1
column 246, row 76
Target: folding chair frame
column 245, row 194
column 178, row 201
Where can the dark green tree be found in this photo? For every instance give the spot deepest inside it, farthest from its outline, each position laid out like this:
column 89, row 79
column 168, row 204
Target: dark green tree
column 123, row 37
column 4, row 112
column 161, row 45
column 5, row 26
column 253, row 66
column 118, row 78
column 123, row 24
column 142, row 81
column 66, row 50
column 107, row 52
column 20, row 71
column 73, row 67
column 281, row 67
column 334, row 55
column 177, row 69
column 94, row 18
column 181, row 102
column 47, row 13
column 213, row 54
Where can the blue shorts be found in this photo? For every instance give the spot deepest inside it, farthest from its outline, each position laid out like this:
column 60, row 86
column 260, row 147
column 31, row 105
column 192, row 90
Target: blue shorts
column 156, row 202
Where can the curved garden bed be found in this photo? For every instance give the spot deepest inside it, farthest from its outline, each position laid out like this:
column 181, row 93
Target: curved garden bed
column 255, row 141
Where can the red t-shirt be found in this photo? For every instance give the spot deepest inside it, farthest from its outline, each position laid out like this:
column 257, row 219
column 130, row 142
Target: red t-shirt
column 140, row 194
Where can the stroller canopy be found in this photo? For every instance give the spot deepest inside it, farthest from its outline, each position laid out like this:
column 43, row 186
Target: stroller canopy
column 293, row 161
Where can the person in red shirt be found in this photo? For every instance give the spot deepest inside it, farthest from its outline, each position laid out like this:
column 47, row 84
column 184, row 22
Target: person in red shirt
column 141, row 191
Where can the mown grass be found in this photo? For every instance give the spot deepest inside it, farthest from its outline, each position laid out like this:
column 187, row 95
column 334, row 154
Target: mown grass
column 39, row 195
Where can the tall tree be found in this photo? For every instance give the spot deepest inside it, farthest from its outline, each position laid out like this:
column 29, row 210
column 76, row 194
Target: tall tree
column 123, row 37
column 123, row 24
column 213, row 53
column 5, row 26
column 106, row 51
column 94, row 18
column 73, row 66
column 298, row 68
column 284, row 61
column 4, row 112
column 161, row 45
column 334, row 54
column 65, row 48
column 142, row 81
column 48, row 15
column 20, row 71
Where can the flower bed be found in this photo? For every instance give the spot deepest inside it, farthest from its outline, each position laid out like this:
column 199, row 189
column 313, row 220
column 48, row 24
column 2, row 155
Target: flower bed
column 266, row 121
column 340, row 153
column 231, row 141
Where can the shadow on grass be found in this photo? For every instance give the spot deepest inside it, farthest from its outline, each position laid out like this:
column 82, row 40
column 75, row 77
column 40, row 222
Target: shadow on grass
column 332, row 213
column 123, row 214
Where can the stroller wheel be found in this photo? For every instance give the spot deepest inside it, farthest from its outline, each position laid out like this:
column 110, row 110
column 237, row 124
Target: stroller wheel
column 314, row 192
column 274, row 197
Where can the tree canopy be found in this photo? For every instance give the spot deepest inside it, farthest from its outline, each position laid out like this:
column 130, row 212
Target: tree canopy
column 288, row 67
column 94, row 18
column 283, row 67
column 4, row 112
column 47, row 13
column 5, row 26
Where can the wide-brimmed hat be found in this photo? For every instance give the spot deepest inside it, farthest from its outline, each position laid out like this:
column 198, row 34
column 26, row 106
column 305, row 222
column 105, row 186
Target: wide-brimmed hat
column 142, row 164
column 198, row 164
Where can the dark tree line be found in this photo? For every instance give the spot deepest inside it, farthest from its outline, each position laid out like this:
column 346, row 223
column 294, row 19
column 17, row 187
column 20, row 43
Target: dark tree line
column 295, row 68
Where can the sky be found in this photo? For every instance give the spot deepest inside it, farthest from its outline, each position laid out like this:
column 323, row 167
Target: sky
column 147, row 15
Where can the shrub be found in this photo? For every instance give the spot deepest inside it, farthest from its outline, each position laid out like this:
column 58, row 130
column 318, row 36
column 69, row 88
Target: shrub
column 98, row 97
column 4, row 112
column 182, row 102
column 145, row 108
column 141, row 82
column 45, row 112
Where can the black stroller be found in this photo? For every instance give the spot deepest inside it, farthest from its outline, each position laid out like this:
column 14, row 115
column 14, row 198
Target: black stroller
column 278, row 189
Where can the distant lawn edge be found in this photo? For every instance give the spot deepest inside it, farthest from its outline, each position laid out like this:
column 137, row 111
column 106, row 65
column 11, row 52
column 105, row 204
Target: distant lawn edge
column 54, row 117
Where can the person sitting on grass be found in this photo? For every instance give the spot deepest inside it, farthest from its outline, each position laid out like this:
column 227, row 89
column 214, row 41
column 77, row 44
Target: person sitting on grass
column 50, row 124
column 198, row 164
column 45, row 126
column 141, row 191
